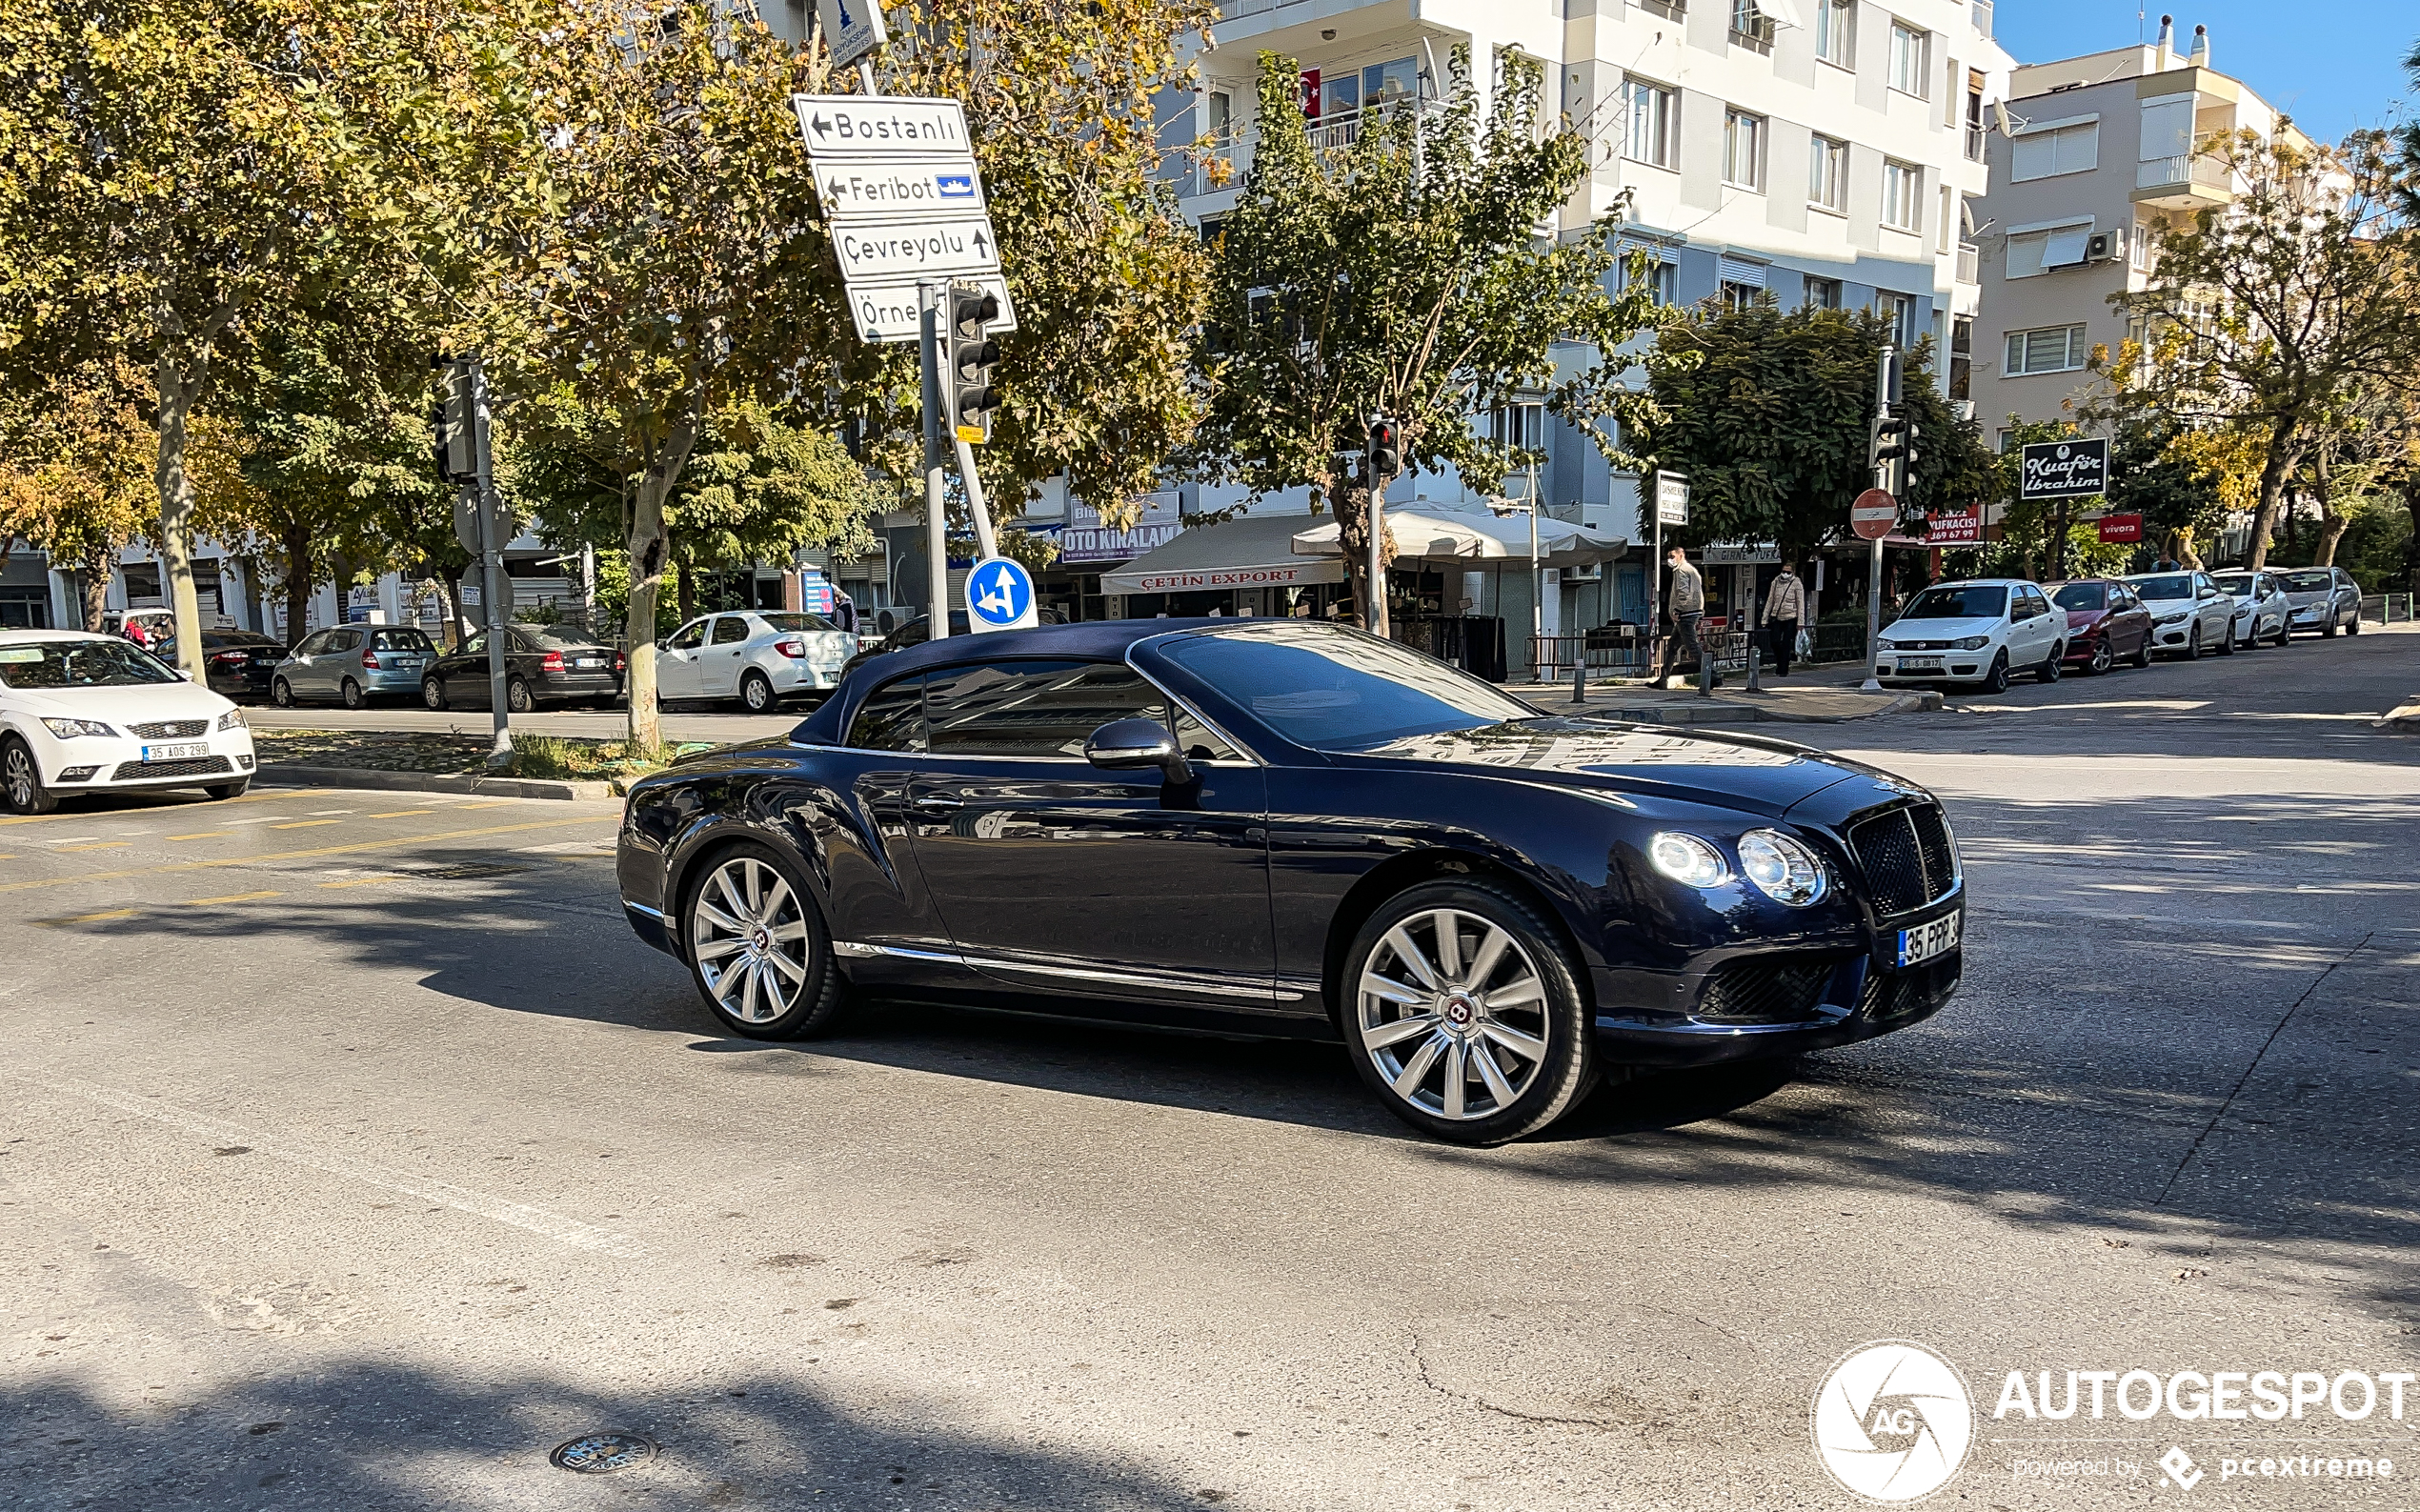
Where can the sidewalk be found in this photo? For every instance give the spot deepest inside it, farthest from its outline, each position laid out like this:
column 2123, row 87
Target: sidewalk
column 1825, row 695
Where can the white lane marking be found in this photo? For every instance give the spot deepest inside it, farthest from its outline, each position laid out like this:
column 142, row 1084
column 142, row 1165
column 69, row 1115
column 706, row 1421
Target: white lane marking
column 462, row 1198
column 68, row 839
column 323, row 812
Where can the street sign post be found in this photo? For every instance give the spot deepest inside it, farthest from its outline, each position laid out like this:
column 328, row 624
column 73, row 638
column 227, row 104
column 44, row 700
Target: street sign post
column 465, row 457
column 852, row 28
column 1000, row 595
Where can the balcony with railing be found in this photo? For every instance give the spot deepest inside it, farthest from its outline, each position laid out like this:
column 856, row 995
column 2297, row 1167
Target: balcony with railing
column 2186, row 181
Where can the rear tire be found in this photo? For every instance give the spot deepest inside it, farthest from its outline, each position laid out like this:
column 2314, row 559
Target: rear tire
column 2227, row 640
column 757, row 948
column 353, row 694
column 221, row 791
column 21, row 786
column 1507, row 1039
column 516, row 696
column 756, row 692
column 432, row 694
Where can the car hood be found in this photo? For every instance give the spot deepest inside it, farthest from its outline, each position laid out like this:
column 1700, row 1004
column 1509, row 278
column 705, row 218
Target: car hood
column 1899, row 630
column 2084, row 619
column 2169, row 606
column 124, row 706
column 1727, row 771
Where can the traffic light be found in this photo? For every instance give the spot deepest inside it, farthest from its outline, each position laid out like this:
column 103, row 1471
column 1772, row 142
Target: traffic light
column 971, row 356
column 1888, row 441
column 454, row 418
column 1385, row 448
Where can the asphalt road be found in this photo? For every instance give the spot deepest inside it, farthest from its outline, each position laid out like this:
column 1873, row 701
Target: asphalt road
column 355, row 1156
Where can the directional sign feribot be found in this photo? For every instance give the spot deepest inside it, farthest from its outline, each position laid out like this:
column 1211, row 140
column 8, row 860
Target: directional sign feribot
column 885, row 190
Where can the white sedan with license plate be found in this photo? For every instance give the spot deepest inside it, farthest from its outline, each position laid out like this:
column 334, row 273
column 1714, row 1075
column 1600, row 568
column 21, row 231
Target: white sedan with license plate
column 82, row 713
column 757, row 657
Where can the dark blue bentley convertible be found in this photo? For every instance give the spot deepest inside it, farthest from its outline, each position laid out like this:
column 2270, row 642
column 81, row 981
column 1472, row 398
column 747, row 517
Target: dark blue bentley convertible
column 1292, row 828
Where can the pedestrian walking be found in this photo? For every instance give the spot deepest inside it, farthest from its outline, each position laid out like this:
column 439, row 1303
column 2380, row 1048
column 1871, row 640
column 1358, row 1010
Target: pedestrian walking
column 1684, row 603
column 1785, row 606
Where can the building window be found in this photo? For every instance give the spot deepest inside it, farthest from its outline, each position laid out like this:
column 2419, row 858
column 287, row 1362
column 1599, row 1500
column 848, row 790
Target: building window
column 1910, row 64
column 1836, row 32
column 1827, row 175
column 1651, row 136
column 2052, row 348
column 1750, row 26
column 1661, row 277
column 1521, row 427
column 2032, row 253
column 1900, row 184
column 1822, row 293
column 2047, row 155
column 1743, row 150
column 1900, row 310
column 1737, row 296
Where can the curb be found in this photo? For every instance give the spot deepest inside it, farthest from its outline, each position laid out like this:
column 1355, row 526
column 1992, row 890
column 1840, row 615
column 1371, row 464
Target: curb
column 284, row 775
column 1724, row 712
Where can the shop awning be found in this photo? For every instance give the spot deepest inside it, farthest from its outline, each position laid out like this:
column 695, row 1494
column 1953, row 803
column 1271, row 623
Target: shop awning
column 1247, row 552
column 1439, row 534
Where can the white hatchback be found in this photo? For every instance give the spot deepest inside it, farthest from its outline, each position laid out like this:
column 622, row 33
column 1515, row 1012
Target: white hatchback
column 1978, row 631
column 82, row 713
column 757, row 656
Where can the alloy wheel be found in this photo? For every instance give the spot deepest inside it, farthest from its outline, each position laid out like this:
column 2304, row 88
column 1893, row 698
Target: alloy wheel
column 22, row 784
column 1454, row 1014
column 2103, row 656
column 750, row 940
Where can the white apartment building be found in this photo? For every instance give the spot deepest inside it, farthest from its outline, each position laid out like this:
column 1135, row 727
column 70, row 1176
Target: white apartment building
column 2073, row 216
column 1822, row 152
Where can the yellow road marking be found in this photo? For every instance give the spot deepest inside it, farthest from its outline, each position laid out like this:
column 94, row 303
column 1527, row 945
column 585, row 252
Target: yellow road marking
column 402, row 814
column 232, row 897
column 280, row 796
column 362, row 881
column 498, row 803
column 204, row 835
column 293, row 855
column 305, row 824
column 87, row 918
column 95, row 845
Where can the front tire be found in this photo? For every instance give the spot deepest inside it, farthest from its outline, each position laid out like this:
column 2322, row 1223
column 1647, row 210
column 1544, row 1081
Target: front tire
column 432, row 694
column 21, row 779
column 353, row 694
column 2352, row 626
column 2285, row 629
column 2193, row 642
column 758, row 947
column 2101, row 657
column 756, row 692
column 221, row 791
column 1996, row 681
column 281, row 693
column 1463, row 1013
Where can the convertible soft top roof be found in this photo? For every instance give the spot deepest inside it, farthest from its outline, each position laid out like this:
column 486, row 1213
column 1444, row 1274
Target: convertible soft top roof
column 1092, row 640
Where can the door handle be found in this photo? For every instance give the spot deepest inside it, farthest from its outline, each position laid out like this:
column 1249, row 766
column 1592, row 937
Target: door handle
column 937, row 803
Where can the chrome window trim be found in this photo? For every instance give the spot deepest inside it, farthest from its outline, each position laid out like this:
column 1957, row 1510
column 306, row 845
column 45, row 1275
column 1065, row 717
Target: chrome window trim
column 1166, row 981
column 1248, row 760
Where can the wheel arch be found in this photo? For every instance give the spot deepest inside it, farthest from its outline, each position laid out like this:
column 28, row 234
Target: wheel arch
column 1400, row 874
column 709, row 839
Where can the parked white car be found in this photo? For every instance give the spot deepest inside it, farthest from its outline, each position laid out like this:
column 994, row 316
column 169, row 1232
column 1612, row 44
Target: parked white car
column 2188, row 614
column 1978, row 631
column 757, row 656
column 82, row 713
column 2262, row 609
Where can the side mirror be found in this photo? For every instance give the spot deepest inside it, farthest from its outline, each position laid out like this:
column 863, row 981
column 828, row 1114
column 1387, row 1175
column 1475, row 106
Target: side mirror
column 1130, row 745
column 182, row 676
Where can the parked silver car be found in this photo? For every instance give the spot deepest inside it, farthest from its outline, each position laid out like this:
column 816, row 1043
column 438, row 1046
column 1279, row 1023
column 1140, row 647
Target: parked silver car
column 2262, row 608
column 351, row 664
column 2326, row 599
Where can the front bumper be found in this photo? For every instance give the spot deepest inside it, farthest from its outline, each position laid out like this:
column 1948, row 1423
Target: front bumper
column 86, row 763
column 1956, row 666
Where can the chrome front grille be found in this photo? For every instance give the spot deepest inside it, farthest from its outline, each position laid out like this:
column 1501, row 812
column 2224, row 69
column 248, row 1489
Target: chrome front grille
column 169, row 729
column 1907, row 857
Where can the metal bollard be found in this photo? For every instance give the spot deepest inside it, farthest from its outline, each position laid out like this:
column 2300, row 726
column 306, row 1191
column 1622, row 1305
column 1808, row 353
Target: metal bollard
column 1580, row 678
column 1705, row 665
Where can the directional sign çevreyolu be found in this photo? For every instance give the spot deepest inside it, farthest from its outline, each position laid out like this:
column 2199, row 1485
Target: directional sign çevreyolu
column 904, row 201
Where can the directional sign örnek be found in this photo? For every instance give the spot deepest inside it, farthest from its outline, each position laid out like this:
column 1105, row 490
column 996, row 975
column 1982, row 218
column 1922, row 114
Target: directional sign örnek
column 933, row 249
column 889, row 311
column 875, row 126
column 885, row 190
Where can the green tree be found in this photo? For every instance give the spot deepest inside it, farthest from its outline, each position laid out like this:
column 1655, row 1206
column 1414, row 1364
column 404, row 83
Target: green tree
column 2267, row 310
column 762, row 488
column 1404, row 276
column 75, row 463
column 1768, row 414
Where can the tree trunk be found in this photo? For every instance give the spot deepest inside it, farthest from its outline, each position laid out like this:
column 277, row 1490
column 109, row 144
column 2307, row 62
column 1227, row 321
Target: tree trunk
column 649, row 552
column 449, row 587
column 177, row 387
column 685, row 589
column 2284, row 456
column 2184, row 551
column 92, row 577
column 2332, row 523
column 2411, row 543
column 295, row 548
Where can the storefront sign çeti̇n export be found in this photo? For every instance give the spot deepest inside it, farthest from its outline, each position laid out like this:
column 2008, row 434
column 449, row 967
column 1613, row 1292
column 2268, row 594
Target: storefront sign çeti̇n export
column 2056, row 470
column 1320, row 572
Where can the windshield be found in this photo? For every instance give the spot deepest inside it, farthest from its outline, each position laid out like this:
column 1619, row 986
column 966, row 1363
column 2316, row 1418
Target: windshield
column 1337, row 690
column 2308, row 582
column 796, row 622
column 2179, row 586
column 2240, row 584
column 80, row 664
column 1972, row 603
column 2082, row 595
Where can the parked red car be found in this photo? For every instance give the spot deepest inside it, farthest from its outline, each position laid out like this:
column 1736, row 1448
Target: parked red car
column 2105, row 623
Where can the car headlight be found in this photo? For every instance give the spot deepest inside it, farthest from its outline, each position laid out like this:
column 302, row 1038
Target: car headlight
column 69, row 729
column 2176, row 619
column 1886, row 645
column 1782, row 869
column 231, row 719
column 1688, row 859
column 1972, row 643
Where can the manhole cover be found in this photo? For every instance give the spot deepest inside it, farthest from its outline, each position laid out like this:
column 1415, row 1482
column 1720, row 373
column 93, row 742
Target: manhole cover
column 603, row 1453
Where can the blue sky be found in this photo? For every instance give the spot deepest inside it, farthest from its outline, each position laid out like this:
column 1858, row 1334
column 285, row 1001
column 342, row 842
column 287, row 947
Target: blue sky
column 2333, row 65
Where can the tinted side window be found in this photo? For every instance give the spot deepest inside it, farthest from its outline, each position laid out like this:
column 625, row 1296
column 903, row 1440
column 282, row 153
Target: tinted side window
column 892, row 717
column 689, row 637
column 729, row 629
column 1032, row 708
column 475, row 646
column 312, row 645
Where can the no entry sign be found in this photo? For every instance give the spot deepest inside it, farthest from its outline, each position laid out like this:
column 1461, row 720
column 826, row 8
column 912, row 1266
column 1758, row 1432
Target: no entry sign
column 1873, row 515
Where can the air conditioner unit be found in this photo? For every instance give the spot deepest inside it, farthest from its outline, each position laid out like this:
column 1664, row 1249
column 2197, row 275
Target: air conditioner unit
column 1593, row 573
column 2097, row 250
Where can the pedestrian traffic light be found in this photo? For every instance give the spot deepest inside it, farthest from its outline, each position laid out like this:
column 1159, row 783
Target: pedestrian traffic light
column 971, row 356
column 1386, row 448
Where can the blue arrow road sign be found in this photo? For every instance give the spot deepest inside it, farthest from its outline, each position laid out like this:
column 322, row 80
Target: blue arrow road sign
column 1000, row 595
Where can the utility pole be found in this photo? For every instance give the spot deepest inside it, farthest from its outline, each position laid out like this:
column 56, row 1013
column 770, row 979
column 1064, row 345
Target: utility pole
column 1380, row 462
column 936, row 525
column 465, row 456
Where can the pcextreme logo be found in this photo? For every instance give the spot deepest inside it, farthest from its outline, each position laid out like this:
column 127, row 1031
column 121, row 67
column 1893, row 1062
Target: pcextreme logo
column 1894, row 1422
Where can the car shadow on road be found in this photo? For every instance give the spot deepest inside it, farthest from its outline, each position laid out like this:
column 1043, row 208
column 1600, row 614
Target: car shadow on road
column 375, row 1433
